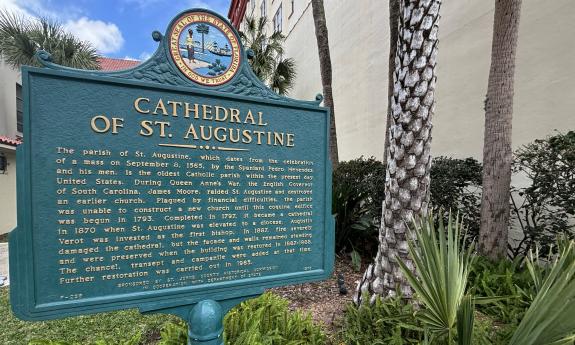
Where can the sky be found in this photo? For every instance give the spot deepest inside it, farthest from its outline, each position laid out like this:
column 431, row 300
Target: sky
column 116, row 28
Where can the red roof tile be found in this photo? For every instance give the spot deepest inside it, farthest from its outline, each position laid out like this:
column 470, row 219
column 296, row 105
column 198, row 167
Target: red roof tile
column 10, row 141
column 111, row 64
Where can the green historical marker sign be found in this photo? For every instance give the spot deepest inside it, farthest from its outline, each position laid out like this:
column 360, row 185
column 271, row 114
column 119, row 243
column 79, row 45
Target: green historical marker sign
column 181, row 186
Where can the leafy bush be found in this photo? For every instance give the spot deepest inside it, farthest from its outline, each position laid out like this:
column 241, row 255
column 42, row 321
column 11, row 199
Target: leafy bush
column 456, row 187
column 391, row 321
column 358, row 193
column 263, row 320
column 546, row 207
column 358, row 187
column 449, row 313
column 502, row 279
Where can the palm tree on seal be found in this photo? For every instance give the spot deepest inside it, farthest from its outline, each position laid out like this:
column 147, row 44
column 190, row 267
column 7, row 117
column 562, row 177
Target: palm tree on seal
column 203, row 29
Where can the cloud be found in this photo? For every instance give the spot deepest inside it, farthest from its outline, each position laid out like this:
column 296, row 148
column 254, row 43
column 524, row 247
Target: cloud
column 145, row 56
column 105, row 37
column 38, row 8
column 12, row 7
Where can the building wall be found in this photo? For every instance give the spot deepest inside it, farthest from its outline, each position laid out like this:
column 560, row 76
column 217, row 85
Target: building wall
column 8, row 193
column 359, row 35
column 8, row 80
column 359, row 49
column 544, row 89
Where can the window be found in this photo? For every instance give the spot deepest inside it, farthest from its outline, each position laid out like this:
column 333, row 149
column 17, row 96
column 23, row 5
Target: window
column 263, row 8
column 19, row 108
column 291, row 11
column 278, row 20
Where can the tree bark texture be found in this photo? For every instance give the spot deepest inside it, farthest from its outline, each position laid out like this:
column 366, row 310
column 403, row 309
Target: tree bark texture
column 497, row 151
column 393, row 25
column 409, row 159
column 325, row 70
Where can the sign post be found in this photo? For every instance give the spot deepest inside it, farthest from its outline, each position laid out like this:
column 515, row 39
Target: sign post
column 181, row 186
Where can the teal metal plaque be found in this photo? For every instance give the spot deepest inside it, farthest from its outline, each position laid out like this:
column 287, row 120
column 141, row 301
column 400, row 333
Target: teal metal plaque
column 182, row 180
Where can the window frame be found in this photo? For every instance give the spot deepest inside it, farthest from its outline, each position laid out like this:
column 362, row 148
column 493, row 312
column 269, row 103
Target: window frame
column 278, row 16
column 263, row 9
column 19, row 109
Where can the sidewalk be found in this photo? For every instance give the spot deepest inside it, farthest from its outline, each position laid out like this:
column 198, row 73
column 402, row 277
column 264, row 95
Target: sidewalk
column 4, row 281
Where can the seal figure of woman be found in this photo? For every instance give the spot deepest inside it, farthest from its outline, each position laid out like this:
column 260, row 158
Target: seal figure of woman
column 190, row 45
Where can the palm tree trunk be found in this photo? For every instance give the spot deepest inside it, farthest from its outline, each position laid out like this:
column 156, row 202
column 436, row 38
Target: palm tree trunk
column 497, row 152
column 325, row 70
column 409, row 159
column 393, row 24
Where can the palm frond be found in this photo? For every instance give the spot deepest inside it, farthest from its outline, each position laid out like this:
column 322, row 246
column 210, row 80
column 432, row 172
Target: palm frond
column 551, row 317
column 21, row 37
column 465, row 321
column 284, row 76
column 443, row 268
column 268, row 64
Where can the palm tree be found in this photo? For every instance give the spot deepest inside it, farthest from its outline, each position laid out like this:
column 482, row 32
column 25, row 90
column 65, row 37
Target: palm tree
column 204, row 30
column 409, row 160
column 497, row 151
column 325, row 68
column 268, row 63
column 20, row 38
column 393, row 25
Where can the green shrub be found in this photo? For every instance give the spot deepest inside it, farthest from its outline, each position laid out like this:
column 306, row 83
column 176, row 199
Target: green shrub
column 456, row 187
column 263, row 320
column 358, row 193
column 502, row 279
column 358, row 187
column 391, row 321
column 545, row 208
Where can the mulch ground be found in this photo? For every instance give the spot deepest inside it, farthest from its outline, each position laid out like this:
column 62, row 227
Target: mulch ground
column 323, row 299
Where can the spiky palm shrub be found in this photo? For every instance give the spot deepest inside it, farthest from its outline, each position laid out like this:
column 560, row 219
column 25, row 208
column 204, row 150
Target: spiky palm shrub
column 268, row 62
column 442, row 272
column 551, row 317
column 20, row 38
column 442, row 267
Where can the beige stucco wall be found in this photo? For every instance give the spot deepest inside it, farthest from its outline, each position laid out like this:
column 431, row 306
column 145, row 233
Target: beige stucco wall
column 358, row 33
column 8, row 194
column 8, row 80
column 543, row 85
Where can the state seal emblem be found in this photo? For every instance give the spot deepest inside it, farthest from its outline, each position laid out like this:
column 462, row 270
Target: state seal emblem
column 204, row 48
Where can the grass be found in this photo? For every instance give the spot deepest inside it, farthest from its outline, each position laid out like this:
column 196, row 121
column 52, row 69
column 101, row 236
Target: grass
column 110, row 327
